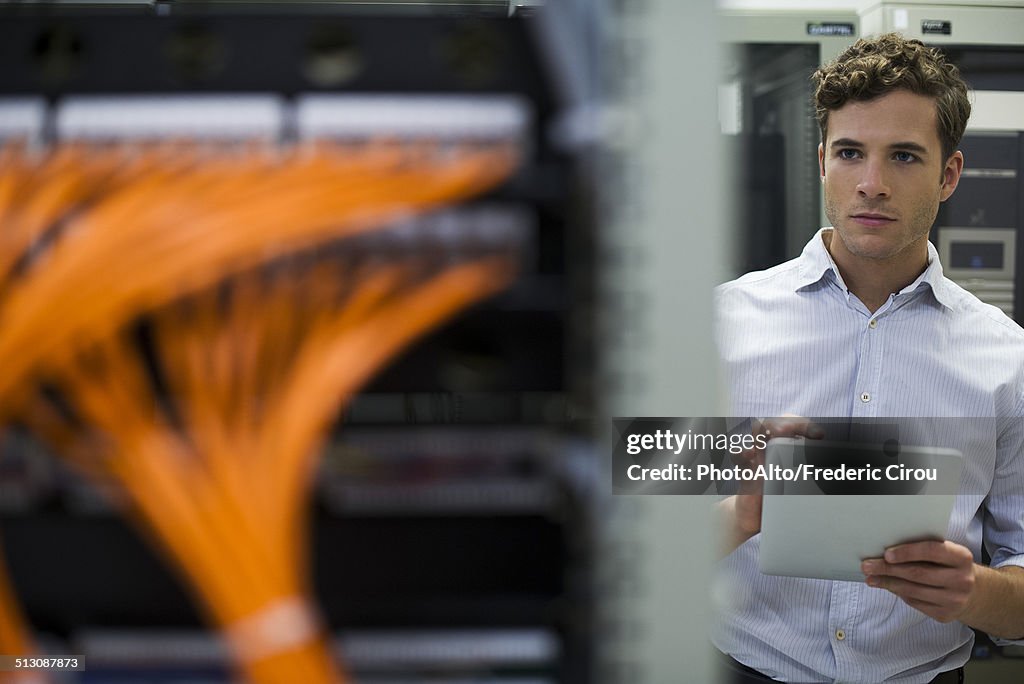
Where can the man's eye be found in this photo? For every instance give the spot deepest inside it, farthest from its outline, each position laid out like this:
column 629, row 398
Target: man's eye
column 904, row 157
column 848, row 154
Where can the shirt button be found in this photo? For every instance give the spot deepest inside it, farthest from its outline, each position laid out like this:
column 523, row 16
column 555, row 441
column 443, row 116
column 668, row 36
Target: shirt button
column 873, row 323
column 865, row 397
column 840, row 635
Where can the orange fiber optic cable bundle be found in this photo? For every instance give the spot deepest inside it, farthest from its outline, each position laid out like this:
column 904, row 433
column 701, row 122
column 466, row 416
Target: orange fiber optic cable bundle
column 207, row 415
column 91, row 235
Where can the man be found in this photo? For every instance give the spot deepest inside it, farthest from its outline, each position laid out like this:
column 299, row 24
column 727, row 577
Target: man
column 864, row 325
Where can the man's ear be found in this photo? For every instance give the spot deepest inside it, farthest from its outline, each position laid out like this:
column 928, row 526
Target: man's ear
column 951, row 175
column 821, row 161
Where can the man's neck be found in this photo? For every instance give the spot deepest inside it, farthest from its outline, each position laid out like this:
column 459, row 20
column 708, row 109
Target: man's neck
column 872, row 281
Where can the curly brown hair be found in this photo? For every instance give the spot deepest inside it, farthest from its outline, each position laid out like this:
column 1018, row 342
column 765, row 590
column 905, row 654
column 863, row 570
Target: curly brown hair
column 872, row 67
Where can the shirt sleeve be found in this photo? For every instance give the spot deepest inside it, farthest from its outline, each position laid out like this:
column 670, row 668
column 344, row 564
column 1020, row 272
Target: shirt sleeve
column 1004, row 514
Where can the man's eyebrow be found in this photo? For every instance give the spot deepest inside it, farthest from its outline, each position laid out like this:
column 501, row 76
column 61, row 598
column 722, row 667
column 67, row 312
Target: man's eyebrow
column 846, row 142
column 907, row 145
column 910, row 147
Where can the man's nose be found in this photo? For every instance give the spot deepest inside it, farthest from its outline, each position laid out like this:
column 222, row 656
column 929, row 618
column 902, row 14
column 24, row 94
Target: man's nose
column 873, row 181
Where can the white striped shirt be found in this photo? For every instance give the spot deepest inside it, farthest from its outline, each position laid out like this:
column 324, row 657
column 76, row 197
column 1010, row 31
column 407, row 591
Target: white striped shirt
column 794, row 340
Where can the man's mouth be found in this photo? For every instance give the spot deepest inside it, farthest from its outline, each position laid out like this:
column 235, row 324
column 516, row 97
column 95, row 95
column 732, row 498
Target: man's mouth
column 870, row 218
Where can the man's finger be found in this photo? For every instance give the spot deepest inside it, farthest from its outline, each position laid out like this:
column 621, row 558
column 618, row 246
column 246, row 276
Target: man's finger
column 927, row 574
column 938, row 552
column 938, row 603
column 791, row 426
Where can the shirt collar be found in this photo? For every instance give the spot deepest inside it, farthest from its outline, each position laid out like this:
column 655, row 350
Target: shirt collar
column 816, row 264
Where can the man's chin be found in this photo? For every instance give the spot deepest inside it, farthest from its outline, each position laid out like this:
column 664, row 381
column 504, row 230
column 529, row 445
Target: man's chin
column 879, row 254
column 870, row 246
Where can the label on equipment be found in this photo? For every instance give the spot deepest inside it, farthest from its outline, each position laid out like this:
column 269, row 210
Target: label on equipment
column 936, row 27
column 830, row 29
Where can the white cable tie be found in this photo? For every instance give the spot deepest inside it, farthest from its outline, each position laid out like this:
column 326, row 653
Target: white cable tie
column 282, row 626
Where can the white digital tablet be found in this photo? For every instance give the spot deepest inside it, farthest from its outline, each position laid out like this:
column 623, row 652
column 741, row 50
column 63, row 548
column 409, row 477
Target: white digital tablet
column 846, row 502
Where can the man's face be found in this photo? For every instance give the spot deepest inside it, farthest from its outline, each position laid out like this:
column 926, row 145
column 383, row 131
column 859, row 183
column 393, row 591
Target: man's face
column 884, row 177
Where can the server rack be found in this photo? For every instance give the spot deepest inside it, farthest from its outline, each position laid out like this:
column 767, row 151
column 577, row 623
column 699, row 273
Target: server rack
column 458, row 476
column 768, row 121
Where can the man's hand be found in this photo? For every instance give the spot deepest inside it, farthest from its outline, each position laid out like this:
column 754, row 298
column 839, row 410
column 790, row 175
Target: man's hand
column 937, row 578
column 941, row 580
column 742, row 513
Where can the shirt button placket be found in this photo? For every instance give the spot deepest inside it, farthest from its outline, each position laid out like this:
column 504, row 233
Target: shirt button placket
column 865, row 397
column 867, row 343
column 842, row 621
